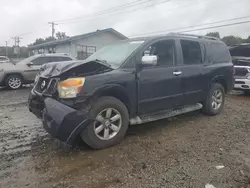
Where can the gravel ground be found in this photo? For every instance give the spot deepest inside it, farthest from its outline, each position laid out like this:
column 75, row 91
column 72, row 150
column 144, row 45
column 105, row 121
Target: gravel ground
column 178, row 152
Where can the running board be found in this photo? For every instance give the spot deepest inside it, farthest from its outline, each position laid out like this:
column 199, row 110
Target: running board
column 164, row 114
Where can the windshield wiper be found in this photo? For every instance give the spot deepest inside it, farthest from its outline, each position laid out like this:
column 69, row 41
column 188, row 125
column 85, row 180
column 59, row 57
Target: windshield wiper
column 103, row 62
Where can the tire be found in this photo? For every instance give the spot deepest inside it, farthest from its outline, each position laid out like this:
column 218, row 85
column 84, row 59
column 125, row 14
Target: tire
column 99, row 109
column 16, row 80
column 247, row 92
column 208, row 105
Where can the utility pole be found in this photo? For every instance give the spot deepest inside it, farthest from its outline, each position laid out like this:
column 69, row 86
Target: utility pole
column 53, row 24
column 6, row 42
column 14, row 38
column 17, row 40
column 16, row 47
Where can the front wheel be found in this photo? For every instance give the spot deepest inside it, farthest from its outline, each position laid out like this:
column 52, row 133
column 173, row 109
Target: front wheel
column 215, row 100
column 110, row 126
column 13, row 82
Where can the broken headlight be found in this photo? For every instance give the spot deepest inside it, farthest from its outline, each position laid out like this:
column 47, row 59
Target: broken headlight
column 70, row 88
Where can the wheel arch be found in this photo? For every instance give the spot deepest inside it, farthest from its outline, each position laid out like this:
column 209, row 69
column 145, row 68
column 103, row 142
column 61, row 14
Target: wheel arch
column 221, row 80
column 13, row 73
column 115, row 91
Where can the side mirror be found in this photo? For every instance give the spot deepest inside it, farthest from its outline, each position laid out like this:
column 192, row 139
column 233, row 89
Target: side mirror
column 30, row 64
column 149, row 60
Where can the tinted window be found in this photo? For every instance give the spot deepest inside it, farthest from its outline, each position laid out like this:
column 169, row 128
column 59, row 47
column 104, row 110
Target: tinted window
column 3, row 59
column 240, row 51
column 164, row 50
column 64, row 59
column 191, row 52
column 219, row 53
column 241, row 62
column 52, row 59
column 39, row 61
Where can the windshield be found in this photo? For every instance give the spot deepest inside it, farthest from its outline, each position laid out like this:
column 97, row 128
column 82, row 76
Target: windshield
column 26, row 60
column 115, row 54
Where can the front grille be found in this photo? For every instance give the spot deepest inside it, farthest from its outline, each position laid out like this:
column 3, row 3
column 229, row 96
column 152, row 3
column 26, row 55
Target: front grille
column 52, row 86
column 239, row 71
column 46, row 85
column 239, row 82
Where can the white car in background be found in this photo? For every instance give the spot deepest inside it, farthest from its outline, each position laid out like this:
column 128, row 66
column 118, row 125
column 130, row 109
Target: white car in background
column 241, row 60
column 14, row 75
column 4, row 59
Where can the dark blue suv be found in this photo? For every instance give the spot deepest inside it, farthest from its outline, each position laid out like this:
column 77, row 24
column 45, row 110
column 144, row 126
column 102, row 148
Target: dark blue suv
column 132, row 82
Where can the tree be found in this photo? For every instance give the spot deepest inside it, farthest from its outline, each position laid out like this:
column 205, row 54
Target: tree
column 61, row 35
column 214, row 34
column 247, row 40
column 232, row 40
column 41, row 40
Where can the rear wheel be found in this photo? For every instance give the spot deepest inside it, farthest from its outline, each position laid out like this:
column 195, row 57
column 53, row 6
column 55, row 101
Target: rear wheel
column 110, row 126
column 13, row 82
column 215, row 100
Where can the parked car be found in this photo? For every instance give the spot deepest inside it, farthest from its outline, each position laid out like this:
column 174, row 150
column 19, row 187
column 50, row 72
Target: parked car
column 14, row 75
column 4, row 59
column 241, row 61
column 132, row 82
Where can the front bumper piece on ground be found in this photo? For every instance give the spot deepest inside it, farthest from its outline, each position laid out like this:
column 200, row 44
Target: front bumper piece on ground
column 61, row 121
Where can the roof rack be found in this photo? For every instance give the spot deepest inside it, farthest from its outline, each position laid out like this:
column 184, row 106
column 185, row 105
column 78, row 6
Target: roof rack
column 195, row 36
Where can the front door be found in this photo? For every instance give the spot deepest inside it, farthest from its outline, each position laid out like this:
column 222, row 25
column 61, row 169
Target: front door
column 159, row 87
column 32, row 70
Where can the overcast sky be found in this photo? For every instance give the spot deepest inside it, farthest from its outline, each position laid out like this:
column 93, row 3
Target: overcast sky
column 29, row 18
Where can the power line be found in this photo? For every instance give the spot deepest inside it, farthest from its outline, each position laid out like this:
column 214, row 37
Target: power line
column 118, row 13
column 218, row 26
column 106, row 10
column 136, row 9
column 193, row 26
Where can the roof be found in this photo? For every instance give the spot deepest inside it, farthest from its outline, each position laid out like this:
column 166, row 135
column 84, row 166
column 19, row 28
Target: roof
column 240, row 45
column 178, row 35
column 52, row 54
column 55, row 42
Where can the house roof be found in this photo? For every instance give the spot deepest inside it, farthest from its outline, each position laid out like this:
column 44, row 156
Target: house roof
column 56, row 42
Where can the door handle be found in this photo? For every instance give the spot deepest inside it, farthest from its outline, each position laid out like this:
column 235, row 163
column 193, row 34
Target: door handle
column 177, row 73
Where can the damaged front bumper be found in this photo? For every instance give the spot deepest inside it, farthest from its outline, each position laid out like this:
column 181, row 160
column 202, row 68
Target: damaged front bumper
column 59, row 120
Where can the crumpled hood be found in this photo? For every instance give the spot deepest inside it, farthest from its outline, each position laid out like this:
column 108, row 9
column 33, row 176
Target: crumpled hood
column 59, row 68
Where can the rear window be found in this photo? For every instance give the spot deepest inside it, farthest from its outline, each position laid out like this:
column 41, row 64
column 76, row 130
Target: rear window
column 242, row 63
column 219, row 53
column 3, row 59
column 243, row 51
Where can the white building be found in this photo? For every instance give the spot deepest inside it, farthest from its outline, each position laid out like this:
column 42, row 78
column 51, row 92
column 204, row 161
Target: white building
column 80, row 46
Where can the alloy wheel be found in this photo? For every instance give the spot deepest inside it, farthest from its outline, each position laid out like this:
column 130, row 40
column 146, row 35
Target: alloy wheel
column 14, row 82
column 217, row 99
column 108, row 123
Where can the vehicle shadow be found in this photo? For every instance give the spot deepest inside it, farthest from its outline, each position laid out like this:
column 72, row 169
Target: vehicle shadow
column 138, row 131
column 25, row 87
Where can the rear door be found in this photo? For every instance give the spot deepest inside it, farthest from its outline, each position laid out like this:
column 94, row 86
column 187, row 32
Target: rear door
column 32, row 70
column 159, row 87
column 192, row 80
